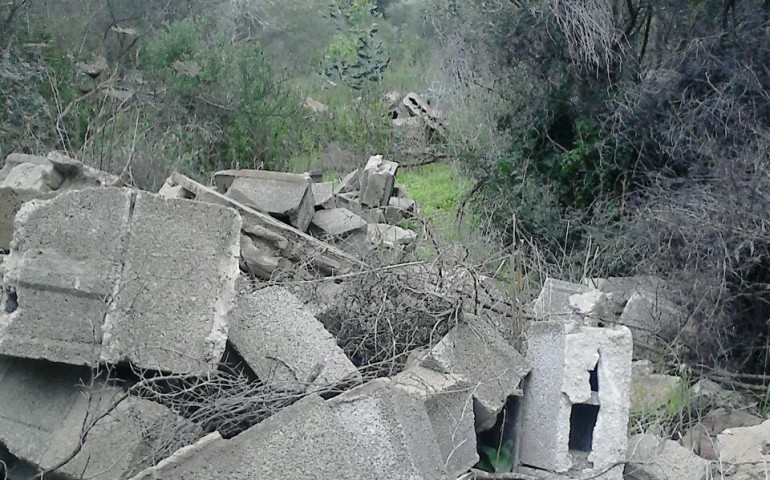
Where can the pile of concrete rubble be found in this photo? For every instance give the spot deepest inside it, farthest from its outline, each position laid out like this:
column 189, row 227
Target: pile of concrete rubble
column 97, row 277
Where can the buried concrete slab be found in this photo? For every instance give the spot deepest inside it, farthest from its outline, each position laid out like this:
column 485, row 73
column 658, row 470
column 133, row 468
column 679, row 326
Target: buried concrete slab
column 66, row 259
column 391, row 429
column 302, row 441
column 285, row 344
column 476, row 351
column 653, row 458
column 176, row 287
column 337, row 222
column 286, row 196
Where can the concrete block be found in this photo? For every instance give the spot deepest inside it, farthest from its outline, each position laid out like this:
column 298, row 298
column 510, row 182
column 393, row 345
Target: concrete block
column 391, row 429
column 177, row 286
column 652, row 318
column 653, row 458
column 11, row 201
column 553, row 303
column 377, row 181
column 66, row 259
column 389, row 235
column 323, row 194
column 285, row 344
column 476, row 351
column 576, row 402
column 286, row 196
column 449, row 401
column 337, row 222
column 349, row 183
column 303, row 441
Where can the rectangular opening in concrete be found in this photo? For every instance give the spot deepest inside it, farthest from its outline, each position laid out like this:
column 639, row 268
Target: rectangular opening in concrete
column 593, row 378
column 581, row 426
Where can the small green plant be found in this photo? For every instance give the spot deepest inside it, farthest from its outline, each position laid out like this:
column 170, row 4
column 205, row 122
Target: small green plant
column 496, row 459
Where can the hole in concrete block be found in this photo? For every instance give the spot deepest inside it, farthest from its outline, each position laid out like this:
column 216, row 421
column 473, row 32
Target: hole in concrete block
column 582, row 421
column 593, row 379
column 502, row 436
column 11, row 302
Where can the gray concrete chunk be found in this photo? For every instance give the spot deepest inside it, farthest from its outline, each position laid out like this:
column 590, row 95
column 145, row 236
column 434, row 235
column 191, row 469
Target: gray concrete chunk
column 11, row 201
column 337, row 222
column 323, row 194
column 389, row 235
column 32, row 176
column 391, row 429
column 653, row 458
column 283, row 195
column 349, row 183
column 553, row 303
column 285, row 344
column 303, row 441
column 377, row 181
column 177, row 286
column 651, row 317
column 475, row 350
column 67, row 256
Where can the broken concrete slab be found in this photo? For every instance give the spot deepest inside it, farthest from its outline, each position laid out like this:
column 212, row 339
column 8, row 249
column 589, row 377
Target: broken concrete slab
column 176, row 287
column 15, row 159
column 79, row 176
column 576, row 402
column 43, row 407
column 399, row 208
column 449, row 401
column 285, row 344
column 652, row 318
column 337, row 222
column 32, row 176
column 298, row 247
column 349, row 183
column 259, row 258
column 323, row 193
column 350, row 201
column 286, row 196
column 304, row 440
column 389, row 235
column 476, row 351
column 701, row 439
column 377, row 181
column 620, row 289
column 553, row 302
column 66, row 257
column 743, row 452
column 653, row 458
column 391, row 429
column 11, row 201
column 653, row 391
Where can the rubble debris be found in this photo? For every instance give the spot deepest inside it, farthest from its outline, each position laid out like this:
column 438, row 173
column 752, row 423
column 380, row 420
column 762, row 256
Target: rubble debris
column 323, row 193
column 176, row 287
column 701, row 439
column 299, row 248
column 282, row 195
column 349, row 183
column 475, row 350
column 337, row 222
column 620, row 289
column 449, row 403
column 391, row 429
column 651, row 318
column 284, row 344
column 653, row 458
column 398, row 208
column 304, row 440
column 350, row 201
column 743, row 452
column 553, row 303
column 389, row 235
column 652, row 391
column 43, row 413
column 377, row 181
column 576, row 401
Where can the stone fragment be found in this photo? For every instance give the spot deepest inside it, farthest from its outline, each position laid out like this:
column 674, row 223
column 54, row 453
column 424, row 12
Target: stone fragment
column 259, row 258
column 177, row 286
column 449, row 401
column 389, row 235
column 15, row 159
column 323, row 193
column 350, row 201
column 349, row 183
column 652, row 319
column 286, row 196
column 744, row 453
column 652, row 458
column 373, row 215
column 32, row 176
column 285, row 344
column 576, row 402
column 377, row 181
column 61, row 273
column 304, row 440
column 620, row 289
column 653, row 391
column 391, row 429
column 11, row 201
column 702, row 438
column 553, row 303
column 78, row 176
column 475, row 350
column 338, row 222
column 398, row 208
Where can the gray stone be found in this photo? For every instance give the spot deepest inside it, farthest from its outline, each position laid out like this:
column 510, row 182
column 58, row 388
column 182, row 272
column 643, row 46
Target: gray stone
column 398, row 208
column 11, row 201
column 337, row 222
column 32, row 176
column 653, row 391
column 286, row 196
column 15, row 159
column 391, row 429
column 65, row 261
column 350, row 201
column 576, row 402
column 449, row 401
column 652, row 458
column 177, row 286
column 259, row 258
column 349, row 183
column 78, row 176
column 476, row 351
column 743, row 452
column 373, row 215
column 285, row 344
column 702, row 438
column 304, row 440
column 389, row 235
column 377, row 181
column 323, row 193
column 652, row 319
column 553, row 303
column 620, row 289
